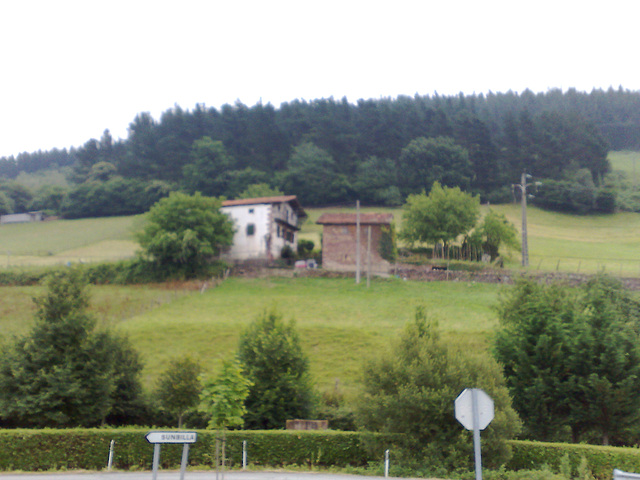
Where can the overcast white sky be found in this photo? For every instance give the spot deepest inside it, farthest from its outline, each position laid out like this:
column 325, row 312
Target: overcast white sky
column 71, row 69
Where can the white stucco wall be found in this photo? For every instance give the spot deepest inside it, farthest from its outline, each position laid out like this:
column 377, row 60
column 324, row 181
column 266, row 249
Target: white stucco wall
column 249, row 246
column 270, row 229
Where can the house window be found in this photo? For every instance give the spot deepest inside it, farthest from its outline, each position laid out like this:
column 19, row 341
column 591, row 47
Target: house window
column 279, row 232
column 251, row 229
column 251, row 210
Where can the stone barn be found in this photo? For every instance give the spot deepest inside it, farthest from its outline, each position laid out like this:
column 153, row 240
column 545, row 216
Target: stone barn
column 339, row 240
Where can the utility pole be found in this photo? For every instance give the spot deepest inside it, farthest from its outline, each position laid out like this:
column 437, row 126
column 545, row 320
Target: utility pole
column 523, row 190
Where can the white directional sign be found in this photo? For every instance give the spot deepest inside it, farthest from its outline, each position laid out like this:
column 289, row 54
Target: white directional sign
column 464, row 408
column 171, row 437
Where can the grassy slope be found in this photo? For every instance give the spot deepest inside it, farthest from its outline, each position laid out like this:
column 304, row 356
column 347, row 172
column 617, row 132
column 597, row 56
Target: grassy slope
column 56, row 242
column 340, row 323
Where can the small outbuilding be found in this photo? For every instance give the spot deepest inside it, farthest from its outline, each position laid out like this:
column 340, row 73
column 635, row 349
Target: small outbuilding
column 340, row 240
column 21, row 217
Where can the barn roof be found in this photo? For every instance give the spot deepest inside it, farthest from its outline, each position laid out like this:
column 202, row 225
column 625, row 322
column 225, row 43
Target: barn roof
column 351, row 219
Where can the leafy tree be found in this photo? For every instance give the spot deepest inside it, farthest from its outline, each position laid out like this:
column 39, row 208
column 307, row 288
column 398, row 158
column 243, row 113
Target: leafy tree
column 128, row 404
column 428, row 160
column 376, row 182
column 61, row 374
column 411, row 390
column 224, row 397
column 274, row 362
column 532, row 346
column 20, row 195
column 205, row 173
column 441, row 216
column 604, row 389
column 185, row 232
column 178, row 388
column 495, row 231
column 312, row 175
column 49, row 198
column 258, row 190
column 237, row 181
column 6, row 204
column 572, row 358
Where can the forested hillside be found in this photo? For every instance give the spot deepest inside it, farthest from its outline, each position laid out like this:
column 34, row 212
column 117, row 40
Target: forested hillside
column 331, row 151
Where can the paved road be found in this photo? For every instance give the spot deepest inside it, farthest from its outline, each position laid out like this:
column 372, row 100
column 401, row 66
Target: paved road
column 175, row 475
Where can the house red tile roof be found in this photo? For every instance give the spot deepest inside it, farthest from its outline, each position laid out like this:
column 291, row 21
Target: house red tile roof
column 350, row 219
column 268, row 200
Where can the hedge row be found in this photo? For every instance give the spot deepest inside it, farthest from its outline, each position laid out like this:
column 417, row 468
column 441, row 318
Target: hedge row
column 601, row 460
column 88, row 449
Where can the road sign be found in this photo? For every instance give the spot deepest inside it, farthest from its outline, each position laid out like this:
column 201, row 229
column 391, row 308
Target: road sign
column 464, row 408
column 171, row 437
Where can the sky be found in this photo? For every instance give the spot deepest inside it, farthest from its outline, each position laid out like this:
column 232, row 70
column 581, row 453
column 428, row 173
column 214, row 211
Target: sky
column 71, row 68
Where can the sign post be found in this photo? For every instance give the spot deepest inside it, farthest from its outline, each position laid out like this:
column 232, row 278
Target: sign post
column 474, row 409
column 158, row 438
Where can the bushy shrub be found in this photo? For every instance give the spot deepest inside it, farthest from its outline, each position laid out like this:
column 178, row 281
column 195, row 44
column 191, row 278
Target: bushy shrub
column 570, row 197
column 601, row 461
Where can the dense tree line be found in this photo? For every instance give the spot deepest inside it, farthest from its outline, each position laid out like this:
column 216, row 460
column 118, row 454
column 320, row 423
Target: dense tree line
column 377, row 150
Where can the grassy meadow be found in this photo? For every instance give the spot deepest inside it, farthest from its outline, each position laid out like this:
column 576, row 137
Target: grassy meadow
column 60, row 241
column 340, row 323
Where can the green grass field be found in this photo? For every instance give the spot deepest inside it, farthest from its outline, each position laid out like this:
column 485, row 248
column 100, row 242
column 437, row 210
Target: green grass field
column 61, row 241
column 340, row 323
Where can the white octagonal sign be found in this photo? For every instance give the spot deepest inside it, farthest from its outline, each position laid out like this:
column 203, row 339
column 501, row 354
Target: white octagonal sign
column 464, row 408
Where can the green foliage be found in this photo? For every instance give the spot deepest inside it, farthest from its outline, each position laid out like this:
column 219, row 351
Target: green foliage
column 425, row 161
column 63, row 372
column 87, row 449
column 495, row 230
column 572, row 358
column 583, row 460
column 6, row 204
column 573, row 197
column 258, row 190
column 411, row 390
column 20, row 196
column 128, row 405
column 49, row 198
column 313, row 176
column 223, row 398
column 186, row 232
column 388, row 247
column 305, row 247
column 275, row 364
column 178, row 388
column 376, row 182
column 441, row 216
column 116, row 196
column 205, row 171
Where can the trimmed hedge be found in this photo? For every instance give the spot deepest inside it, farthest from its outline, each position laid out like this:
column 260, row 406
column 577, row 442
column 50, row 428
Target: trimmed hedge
column 88, row 449
column 528, row 455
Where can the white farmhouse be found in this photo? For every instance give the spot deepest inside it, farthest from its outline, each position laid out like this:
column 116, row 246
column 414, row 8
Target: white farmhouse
column 263, row 226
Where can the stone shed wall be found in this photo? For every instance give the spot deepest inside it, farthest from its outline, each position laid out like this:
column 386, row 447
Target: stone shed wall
column 339, row 248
